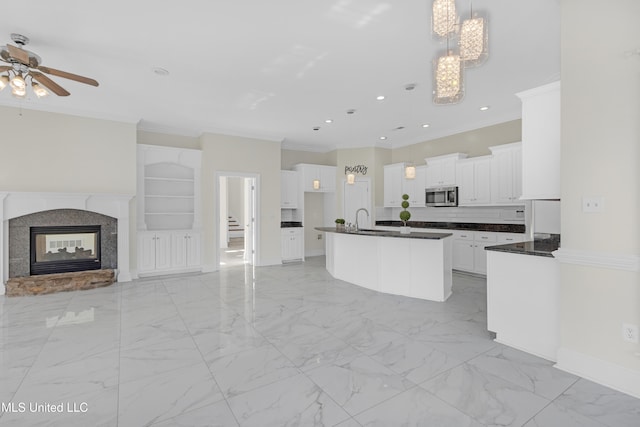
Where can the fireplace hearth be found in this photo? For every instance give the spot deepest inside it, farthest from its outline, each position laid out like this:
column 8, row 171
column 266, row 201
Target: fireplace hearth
column 63, row 249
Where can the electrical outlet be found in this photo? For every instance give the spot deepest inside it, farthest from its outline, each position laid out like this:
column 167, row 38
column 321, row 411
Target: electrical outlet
column 630, row 333
column 593, row 204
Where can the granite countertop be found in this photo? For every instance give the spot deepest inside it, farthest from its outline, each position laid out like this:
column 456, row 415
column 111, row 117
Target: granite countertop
column 467, row 226
column 537, row 247
column 384, row 233
column 289, row 224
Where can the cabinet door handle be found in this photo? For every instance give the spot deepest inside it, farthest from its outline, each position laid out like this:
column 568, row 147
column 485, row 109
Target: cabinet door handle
column 484, row 237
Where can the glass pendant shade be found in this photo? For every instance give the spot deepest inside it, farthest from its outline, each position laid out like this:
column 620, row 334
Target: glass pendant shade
column 17, row 82
column 351, row 179
column 19, row 92
column 474, row 41
column 316, row 184
column 4, row 81
column 443, row 20
column 448, row 79
column 39, row 90
column 409, row 171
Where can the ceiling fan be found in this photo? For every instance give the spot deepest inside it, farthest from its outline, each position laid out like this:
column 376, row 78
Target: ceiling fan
column 24, row 66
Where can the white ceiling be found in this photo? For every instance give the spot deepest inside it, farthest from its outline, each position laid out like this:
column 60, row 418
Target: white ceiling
column 276, row 69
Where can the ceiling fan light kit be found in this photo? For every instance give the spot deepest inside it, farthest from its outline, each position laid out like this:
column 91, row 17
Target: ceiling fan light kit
column 448, row 69
column 25, row 66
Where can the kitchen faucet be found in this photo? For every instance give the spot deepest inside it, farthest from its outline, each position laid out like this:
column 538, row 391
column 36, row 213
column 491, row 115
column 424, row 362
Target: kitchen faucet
column 357, row 212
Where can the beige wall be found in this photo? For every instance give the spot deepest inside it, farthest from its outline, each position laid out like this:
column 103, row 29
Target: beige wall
column 223, row 153
column 43, row 151
column 600, row 157
column 290, row 158
column 374, row 159
column 474, row 143
column 168, row 140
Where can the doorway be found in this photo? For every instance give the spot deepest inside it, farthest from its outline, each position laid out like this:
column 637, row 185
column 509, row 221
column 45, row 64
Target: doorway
column 236, row 222
column 356, row 196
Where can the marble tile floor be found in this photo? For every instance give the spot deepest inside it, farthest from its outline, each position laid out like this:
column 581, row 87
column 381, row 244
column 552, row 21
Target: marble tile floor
column 278, row 346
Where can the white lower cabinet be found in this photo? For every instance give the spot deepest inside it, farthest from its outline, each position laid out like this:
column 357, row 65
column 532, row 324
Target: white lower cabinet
column 168, row 251
column 292, row 243
column 469, row 252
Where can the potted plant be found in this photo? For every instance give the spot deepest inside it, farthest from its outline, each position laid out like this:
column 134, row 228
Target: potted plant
column 405, row 215
column 340, row 224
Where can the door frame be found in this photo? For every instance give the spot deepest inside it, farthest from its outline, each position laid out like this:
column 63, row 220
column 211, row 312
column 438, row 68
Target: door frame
column 369, row 207
column 256, row 209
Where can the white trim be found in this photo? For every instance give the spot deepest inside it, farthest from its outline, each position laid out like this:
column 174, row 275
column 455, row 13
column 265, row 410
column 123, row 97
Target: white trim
column 209, row 268
column 550, row 87
column 256, row 227
column 16, row 204
column 33, row 104
column 600, row 371
column 598, row 259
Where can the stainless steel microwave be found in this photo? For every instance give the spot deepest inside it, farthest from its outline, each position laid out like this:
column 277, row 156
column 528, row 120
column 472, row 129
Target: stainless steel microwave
column 442, row 196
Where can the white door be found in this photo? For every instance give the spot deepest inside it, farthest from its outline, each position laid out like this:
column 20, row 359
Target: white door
column 249, row 220
column 356, row 196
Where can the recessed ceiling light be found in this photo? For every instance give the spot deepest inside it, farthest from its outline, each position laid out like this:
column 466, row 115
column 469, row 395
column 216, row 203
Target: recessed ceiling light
column 328, row 121
column 380, row 97
column 160, row 71
column 399, row 128
column 484, row 108
column 383, row 138
column 410, row 86
column 426, row 125
column 316, row 128
column 351, row 111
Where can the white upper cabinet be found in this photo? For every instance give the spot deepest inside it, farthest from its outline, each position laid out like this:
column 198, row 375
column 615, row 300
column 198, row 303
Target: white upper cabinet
column 441, row 170
column 506, row 173
column 395, row 185
column 473, row 177
column 324, row 176
column 415, row 187
column 393, row 176
column 288, row 189
column 541, row 142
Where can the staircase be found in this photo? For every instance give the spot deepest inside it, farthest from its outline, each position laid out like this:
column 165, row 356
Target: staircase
column 235, row 230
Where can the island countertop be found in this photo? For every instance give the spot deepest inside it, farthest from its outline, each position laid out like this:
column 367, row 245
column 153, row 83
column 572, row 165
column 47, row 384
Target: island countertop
column 385, row 233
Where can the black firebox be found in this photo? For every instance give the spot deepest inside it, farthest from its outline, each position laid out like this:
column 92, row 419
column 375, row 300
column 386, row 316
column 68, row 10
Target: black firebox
column 61, row 249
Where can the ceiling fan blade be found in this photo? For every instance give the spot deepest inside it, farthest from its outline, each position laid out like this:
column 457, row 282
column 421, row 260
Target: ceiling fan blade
column 18, row 54
column 49, row 84
column 5, row 68
column 70, row 76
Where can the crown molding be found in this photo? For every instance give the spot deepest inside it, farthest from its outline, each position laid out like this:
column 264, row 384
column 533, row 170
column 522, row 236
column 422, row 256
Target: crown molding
column 41, row 107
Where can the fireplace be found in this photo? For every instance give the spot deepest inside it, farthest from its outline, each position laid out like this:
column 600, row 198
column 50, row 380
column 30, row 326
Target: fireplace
column 62, row 249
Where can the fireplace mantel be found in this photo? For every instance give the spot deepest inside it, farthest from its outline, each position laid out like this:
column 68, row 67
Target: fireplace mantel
column 16, row 204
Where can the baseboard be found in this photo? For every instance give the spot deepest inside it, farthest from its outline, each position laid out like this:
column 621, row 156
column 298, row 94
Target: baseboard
column 600, row 371
column 124, row 276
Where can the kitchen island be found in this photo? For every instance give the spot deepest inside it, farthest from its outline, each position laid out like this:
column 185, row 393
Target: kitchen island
column 416, row 265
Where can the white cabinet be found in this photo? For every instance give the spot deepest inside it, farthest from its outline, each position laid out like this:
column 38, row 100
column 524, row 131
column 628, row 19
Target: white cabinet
column 395, row 185
column 292, row 243
column 506, row 173
column 168, row 252
column 441, row 170
column 415, row 187
column 185, row 249
column 154, row 251
column 169, row 209
column 393, row 175
column 463, row 250
column 288, row 189
column 541, row 142
column 480, row 241
column 324, row 176
column 474, row 181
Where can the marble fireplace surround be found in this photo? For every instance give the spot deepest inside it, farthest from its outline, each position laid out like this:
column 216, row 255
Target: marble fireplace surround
column 17, row 204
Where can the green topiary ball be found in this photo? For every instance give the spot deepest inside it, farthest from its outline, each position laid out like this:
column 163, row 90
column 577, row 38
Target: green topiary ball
column 405, row 204
column 405, row 215
column 405, row 197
